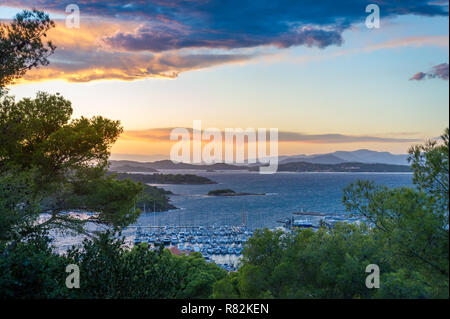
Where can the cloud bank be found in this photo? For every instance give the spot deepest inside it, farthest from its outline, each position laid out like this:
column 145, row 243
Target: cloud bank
column 163, row 134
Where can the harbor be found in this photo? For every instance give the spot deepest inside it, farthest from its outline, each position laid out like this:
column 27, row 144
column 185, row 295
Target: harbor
column 224, row 244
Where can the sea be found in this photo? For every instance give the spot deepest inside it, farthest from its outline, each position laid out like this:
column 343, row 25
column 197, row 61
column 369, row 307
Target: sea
column 284, row 194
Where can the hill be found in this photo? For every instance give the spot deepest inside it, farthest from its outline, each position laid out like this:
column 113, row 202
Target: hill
column 359, row 156
column 167, row 164
column 186, row 179
column 343, row 167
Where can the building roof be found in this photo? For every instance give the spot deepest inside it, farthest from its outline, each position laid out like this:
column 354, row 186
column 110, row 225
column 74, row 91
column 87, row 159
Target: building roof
column 176, row 251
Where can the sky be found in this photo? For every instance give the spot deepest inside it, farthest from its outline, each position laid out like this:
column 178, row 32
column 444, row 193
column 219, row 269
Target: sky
column 311, row 69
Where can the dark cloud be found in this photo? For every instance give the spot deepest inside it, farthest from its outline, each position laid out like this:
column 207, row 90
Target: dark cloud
column 439, row 71
column 162, row 38
column 178, row 24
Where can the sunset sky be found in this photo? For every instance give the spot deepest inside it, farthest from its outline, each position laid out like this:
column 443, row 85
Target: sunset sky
column 312, row 69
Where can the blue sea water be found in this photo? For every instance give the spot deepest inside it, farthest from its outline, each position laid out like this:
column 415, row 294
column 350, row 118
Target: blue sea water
column 285, row 194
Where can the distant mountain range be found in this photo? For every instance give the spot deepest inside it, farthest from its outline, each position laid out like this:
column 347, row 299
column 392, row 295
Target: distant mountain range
column 342, row 167
column 131, row 166
column 359, row 156
column 340, row 161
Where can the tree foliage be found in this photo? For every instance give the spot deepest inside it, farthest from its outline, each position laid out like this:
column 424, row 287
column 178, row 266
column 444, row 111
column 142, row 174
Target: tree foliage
column 49, row 162
column 31, row 270
column 108, row 269
column 65, row 161
column 22, row 45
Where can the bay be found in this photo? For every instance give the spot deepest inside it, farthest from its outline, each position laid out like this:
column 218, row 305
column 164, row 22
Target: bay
column 285, row 193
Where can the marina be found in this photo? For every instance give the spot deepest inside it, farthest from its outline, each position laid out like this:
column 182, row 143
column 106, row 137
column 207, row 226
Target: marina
column 223, row 244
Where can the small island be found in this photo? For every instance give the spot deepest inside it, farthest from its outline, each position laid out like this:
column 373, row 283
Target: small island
column 229, row 192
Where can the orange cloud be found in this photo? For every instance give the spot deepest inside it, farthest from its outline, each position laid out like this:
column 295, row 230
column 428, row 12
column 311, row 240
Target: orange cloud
column 163, row 134
column 82, row 56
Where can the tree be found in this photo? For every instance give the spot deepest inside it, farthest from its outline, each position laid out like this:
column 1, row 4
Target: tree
column 31, row 270
column 328, row 263
column 413, row 221
column 21, row 45
column 154, row 198
column 262, row 253
column 108, row 270
column 65, row 163
column 430, row 165
column 226, row 288
column 198, row 276
column 18, row 209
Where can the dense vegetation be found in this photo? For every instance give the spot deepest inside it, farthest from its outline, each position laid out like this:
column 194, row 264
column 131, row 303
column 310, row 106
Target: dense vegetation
column 107, row 270
column 154, row 199
column 219, row 192
column 22, row 47
column 52, row 163
column 166, row 178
